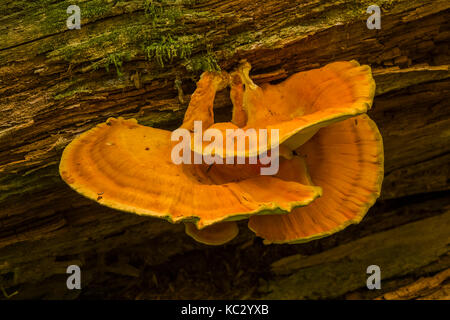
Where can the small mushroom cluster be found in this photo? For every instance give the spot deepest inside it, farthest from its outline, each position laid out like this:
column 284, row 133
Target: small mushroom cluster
column 330, row 165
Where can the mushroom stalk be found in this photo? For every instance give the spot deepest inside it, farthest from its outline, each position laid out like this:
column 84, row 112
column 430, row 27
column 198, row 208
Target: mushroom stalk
column 202, row 100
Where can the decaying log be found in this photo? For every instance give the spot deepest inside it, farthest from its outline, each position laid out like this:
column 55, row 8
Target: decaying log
column 425, row 289
column 56, row 83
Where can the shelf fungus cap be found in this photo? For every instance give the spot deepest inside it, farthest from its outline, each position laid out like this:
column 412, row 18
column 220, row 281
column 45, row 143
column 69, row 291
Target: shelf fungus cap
column 346, row 159
column 297, row 107
column 129, row 167
column 215, row 235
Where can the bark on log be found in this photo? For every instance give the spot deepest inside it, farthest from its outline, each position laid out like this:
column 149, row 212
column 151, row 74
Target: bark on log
column 56, row 83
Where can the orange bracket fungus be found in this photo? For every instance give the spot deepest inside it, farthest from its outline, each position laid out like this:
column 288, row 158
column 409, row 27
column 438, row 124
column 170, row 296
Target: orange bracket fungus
column 297, row 107
column 346, row 160
column 130, row 166
column 328, row 175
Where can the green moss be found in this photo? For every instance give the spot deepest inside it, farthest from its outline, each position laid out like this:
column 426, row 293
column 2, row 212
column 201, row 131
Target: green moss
column 95, row 9
column 116, row 59
column 204, row 62
column 166, row 10
column 191, row 3
column 71, row 92
column 81, row 51
column 167, row 49
column 53, row 18
column 162, row 41
column 48, row 46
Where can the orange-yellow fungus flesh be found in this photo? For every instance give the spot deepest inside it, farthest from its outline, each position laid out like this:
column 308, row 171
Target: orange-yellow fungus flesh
column 127, row 166
column 346, row 160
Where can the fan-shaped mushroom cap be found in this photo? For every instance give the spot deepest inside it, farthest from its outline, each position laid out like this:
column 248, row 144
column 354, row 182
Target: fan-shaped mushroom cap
column 215, row 235
column 346, row 160
column 127, row 166
column 299, row 106
column 202, row 100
